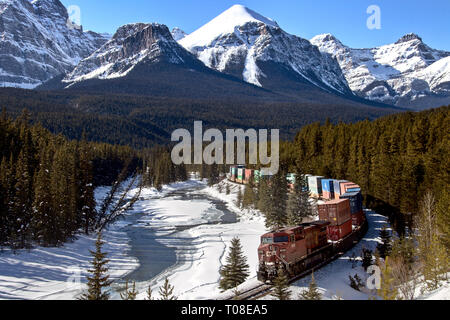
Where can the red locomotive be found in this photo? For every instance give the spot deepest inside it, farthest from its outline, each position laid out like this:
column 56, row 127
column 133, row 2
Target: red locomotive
column 304, row 247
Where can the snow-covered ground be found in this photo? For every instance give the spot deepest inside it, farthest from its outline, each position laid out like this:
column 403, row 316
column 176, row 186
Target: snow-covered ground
column 201, row 250
column 193, row 230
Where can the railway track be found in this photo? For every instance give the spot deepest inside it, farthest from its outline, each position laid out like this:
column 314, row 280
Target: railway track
column 262, row 289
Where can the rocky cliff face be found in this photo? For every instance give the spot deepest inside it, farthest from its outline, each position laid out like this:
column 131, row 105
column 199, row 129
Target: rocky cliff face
column 131, row 45
column 243, row 43
column 37, row 44
column 405, row 73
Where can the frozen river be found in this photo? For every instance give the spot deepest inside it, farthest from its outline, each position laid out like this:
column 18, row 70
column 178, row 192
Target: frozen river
column 148, row 242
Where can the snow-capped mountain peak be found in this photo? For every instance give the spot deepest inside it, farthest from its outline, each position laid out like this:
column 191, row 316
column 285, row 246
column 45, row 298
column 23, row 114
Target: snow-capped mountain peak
column 178, row 34
column 129, row 46
column 36, row 43
column 397, row 73
column 409, row 37
column 225, row 23
column 243, row 43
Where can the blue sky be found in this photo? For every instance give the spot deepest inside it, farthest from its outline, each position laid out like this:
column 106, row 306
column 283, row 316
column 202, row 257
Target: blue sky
column 346, row 19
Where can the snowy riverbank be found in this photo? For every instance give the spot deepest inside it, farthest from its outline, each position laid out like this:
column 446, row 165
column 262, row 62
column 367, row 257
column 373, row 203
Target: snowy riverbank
column 193, row 222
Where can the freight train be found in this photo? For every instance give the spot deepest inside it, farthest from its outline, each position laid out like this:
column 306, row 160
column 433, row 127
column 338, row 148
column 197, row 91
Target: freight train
column 302, row 248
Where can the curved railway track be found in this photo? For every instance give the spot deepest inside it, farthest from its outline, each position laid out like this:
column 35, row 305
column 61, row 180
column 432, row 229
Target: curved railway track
column 263, row 289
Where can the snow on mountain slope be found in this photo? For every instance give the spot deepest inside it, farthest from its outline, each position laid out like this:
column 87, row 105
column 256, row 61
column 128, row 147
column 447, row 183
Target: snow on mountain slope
column 130, row 45
column 405, row 70
column 178, row 34
column 36, row 44
column 240, row 41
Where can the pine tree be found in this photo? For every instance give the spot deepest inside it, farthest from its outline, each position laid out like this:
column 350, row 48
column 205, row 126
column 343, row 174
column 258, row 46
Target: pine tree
column 298, row 205
column 367, row 259
column 129, row 294
column 239, row 198
column 281, row 286
column 86, row 203
column 99, row 279
column 248, row 199
column 22, row 201
column 235, row 271
column 384, row 248
column 44, row 215
column 227, row 189
column 213, row 175
column 312, row 293
column 149, row 294
column 273, row 198
column 166, row 291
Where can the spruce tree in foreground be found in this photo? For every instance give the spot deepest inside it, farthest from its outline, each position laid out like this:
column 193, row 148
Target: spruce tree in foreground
column 149, row 294
column 312, row 293
column 281, row 286
column 100, row 277
column 129, row 294
column 166, row 291
column 384, row 248
column 235, row 271
column 298, row 205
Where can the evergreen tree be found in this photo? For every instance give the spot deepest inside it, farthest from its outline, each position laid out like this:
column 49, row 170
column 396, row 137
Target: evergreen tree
column 99, row 279
column 235, row 271
column 367, row 258
column 129, row 294
column 227, row 189
column 274, row 201
column 149, row 294
column 384, row 248
column 44, row 215
column 22, row 201
column 86, row 203
column 298, row 205
column 213, row 175
column 281, row 286
column 239, row 198
column 312, row 293
column 248, row 199
column 166, row 291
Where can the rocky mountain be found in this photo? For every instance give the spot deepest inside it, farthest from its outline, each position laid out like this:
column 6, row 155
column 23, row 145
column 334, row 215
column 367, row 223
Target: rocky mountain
column 144, row 59
column 406, row 73
column 254, row 48
column 131, row 45
column 37, row 43
column 178, row 34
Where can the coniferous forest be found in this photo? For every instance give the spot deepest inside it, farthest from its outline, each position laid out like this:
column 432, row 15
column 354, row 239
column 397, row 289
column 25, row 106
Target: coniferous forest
column 395, row 159
column 47, row 182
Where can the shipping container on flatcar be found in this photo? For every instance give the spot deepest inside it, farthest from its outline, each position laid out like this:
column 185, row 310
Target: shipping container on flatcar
column 248, row 175
column 336, row 233
column 327, row 189
column 337, row 187
column 336, row 212
column 257, row 175
column 358, row 218
column 346, row 187
column 240, row 175
column 355, row 201
column 315, row 185
column 233, row 173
